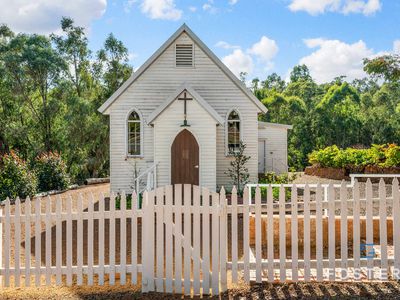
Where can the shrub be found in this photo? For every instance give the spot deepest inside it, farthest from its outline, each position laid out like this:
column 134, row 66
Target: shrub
column 273, row 178
column 128, row 201
column 51, row 172
column 238, row 171
column 325, row 157
column 16, row 180
column 376, row 155
column 355, row 160
column 392, row 155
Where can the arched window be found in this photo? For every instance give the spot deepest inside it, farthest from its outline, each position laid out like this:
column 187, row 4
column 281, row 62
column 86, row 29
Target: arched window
column 134, row 134
column 233, row 128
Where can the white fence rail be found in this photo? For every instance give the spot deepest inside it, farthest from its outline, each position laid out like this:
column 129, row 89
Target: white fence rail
column 355, row 176
column 190, row 240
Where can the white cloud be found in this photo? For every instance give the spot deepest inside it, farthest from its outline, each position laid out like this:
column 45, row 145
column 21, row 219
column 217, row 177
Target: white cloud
column 132, row 56
column 238, row 62
column 243, row 61
column 396, row 46
column 225, row 45
column 233, row 2
column 358, row 6
column 209, row 7
column 161, row 9
column 128, row 5
column 43, row 16
column 333, row 58
column 315, row 7
column 193, row 8
column 265, row 49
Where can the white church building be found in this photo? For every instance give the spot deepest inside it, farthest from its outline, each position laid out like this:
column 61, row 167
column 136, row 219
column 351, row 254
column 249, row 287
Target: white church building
column 177, row 118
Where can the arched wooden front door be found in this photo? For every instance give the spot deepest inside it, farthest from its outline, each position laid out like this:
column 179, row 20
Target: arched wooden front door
column 185, row 159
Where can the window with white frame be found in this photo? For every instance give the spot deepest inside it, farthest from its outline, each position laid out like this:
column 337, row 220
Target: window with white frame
column 134, row 134
column 233, row 131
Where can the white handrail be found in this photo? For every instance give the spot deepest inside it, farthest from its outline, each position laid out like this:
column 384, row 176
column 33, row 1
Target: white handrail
column 151, row 182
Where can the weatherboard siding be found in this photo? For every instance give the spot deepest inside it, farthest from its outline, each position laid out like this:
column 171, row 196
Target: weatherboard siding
column 276, row 148
column 203, row 127
column 152, row 88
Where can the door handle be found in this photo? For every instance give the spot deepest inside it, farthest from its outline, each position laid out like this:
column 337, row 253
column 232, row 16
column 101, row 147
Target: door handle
column 196, row 166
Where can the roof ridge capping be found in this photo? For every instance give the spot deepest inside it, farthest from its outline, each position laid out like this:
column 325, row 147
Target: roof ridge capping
column 183, row 28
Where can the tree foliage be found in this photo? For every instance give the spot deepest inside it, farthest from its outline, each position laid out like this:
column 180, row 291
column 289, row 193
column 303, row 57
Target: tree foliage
column 385, row 66
column 50, row 90
column 358, row 113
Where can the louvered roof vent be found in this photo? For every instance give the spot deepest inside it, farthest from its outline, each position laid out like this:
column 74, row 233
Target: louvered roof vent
column 184, row 55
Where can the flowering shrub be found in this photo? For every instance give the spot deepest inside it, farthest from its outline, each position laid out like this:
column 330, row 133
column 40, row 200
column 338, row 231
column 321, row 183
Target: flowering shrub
column 16, row 180
column 355, row 160
column 51, row 172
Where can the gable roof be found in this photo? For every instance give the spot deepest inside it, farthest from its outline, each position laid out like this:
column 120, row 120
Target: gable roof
column 171, row 98
column 210, row 54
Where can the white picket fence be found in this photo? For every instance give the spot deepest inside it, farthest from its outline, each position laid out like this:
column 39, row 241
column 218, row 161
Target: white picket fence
column 187, row 239
column 55, row 239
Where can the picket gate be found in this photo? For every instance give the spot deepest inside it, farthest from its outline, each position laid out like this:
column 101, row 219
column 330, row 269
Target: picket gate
column 190, row 240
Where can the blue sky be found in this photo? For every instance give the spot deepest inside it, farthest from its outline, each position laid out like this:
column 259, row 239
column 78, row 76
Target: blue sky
column 257, row 36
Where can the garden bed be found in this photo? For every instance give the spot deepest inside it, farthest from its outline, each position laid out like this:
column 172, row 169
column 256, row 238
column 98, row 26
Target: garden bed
column 343, row 174
column 338, row 164
column 330, row 173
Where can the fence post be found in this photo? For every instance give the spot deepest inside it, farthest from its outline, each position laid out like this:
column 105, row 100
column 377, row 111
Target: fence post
column 223, row 240
column 331, row 232
column 343, row 230
column 396, row 227
column 369, row 230
column 246, row 246
column 319, row 232
column 270, row 233
column 356, row 230
column 160, row 239
column 1, row 243
column 145, row 205
column 295, row 248
column 282, row 233
column 148, row 246
column 258, row 234
column 383, row 230
column 234, row 235
column 215, row 244
column 7, row 244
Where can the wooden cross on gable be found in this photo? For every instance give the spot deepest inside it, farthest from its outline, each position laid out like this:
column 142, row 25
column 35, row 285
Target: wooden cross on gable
column 184, row 99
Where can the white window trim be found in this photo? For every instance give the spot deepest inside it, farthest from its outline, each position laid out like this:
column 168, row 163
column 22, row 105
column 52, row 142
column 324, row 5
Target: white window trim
column 141, row 155
column 193, row 56
column 227, row 154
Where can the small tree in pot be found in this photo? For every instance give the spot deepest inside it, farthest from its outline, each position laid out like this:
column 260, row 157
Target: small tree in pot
column 238, row 171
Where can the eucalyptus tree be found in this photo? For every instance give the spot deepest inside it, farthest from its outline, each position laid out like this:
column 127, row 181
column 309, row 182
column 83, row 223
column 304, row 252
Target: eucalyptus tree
column 34, row 69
